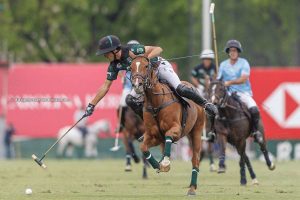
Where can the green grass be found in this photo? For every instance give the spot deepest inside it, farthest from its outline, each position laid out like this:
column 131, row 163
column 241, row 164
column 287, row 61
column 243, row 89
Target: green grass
column 106, row 179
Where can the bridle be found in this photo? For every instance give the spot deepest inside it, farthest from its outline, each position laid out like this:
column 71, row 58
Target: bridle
column 222, row 99
column 146, row 78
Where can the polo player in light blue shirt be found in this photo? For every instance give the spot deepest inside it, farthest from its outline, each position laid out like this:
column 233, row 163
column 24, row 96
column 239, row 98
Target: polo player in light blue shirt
column 235, row 73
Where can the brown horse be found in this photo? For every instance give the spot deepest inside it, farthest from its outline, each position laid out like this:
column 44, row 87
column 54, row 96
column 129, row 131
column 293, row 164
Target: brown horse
column 132, row 128
column 233, row 122
column 165, row 118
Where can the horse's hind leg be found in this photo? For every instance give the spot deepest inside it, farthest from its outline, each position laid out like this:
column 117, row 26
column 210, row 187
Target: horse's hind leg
column 241, row 150
column 196, row 143
column 145, row 165
column 250, row 169
column 132, row 149
column 222, row 142
column 243, row 180
column 265, row 152
column 210, row 149
column 263, row 148
column 128, row 153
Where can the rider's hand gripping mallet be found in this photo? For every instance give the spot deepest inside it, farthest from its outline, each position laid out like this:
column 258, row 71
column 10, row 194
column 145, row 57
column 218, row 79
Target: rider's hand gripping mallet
column 39, row 161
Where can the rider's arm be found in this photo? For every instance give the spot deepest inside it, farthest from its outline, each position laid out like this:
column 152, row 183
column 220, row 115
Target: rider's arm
column 112, row 74
column 102, row 92
column 238, row 81
column 152, row 51
column 148, row 51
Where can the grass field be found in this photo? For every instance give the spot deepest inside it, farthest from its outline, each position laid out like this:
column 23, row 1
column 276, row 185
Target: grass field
column 106, row 179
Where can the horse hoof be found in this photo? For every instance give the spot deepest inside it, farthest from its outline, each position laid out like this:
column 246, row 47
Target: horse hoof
column 221, row 170
column 191, row 192
column 165, row 165
column 255, row 182
column 212, row 168
column 164, row 168
column 272, row 166
column 128, row 168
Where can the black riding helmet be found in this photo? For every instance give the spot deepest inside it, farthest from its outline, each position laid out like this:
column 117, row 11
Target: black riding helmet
column 107, row 44
column 233, row 43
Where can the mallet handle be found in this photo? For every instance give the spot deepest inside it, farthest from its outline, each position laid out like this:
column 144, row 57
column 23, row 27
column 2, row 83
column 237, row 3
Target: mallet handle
column 62, row 137
column 212, row 7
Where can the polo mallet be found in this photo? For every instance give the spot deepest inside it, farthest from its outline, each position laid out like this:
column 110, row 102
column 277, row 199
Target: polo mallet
column 39, row 161
column 211, row 11
column 116, row 147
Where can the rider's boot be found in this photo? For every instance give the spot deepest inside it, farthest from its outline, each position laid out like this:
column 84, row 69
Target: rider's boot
column 136, row 106
column 255, row 117
column 192, row 94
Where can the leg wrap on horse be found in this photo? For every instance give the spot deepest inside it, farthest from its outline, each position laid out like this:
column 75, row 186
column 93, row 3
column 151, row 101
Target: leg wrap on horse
column 194, row 178
column 136, row 106
column 151, row 160
column 168, row 143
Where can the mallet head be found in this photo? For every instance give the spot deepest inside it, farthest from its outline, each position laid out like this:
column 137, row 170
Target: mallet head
column 38, row 161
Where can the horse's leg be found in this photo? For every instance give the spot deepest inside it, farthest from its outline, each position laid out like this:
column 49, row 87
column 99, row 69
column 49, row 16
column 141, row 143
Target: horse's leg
column 241, row 150
column 132, row 149
column 145, row 165
column 212, row 167
column 196, row 143
column 147, row 143
column 222, row 142
column 170, row 136
column 263, row 148
column 250, row 169
column 128, row 153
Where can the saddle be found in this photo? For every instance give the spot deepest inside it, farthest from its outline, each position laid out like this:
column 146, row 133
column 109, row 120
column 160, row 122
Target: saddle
column 180, row 99
column 241, row 104
column 185, row 104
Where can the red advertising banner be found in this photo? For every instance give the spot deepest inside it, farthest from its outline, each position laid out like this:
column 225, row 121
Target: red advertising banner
column 277, row 92
column 42, row 98
column 65, row 87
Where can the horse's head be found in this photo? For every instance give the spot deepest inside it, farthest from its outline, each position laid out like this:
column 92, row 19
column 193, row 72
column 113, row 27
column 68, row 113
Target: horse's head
column 140, row 73
column 217, row 93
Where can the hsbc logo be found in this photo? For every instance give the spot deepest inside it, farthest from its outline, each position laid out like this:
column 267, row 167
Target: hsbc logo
column 283, row 105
